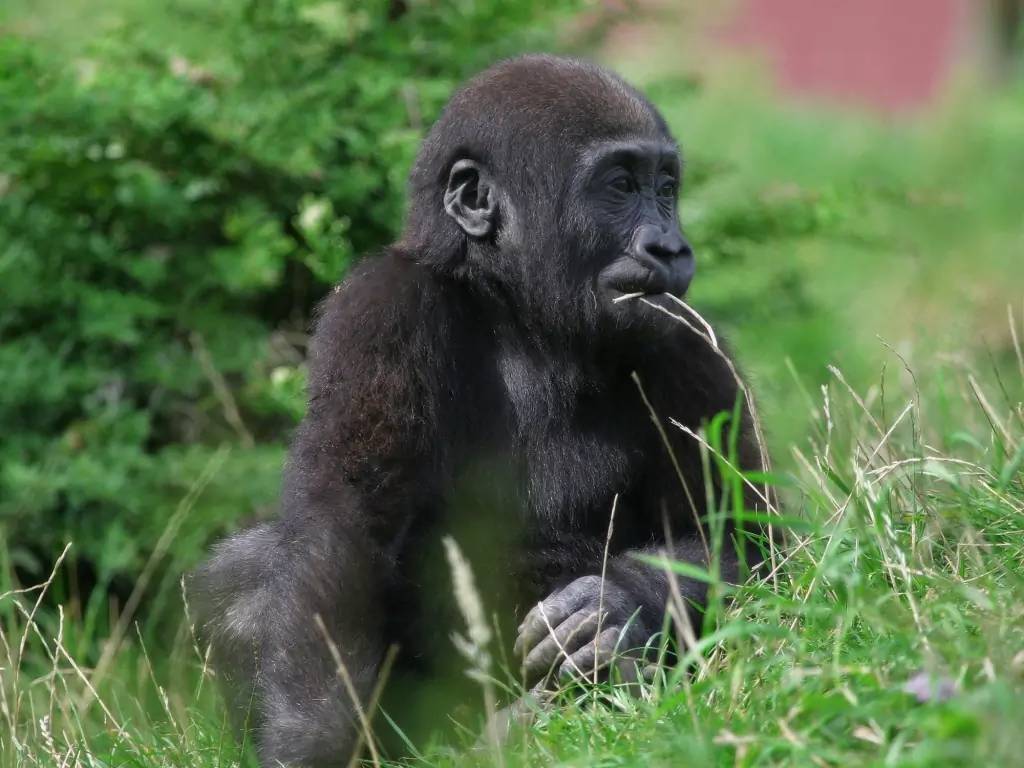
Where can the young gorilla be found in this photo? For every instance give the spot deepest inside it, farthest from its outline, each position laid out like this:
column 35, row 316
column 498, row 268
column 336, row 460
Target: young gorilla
column 476, row 378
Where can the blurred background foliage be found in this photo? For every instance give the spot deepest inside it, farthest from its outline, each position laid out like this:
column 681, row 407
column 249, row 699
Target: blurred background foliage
column 181, row 182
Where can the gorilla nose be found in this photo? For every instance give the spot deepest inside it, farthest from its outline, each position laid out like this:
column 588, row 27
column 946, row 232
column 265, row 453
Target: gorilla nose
column 654, row 244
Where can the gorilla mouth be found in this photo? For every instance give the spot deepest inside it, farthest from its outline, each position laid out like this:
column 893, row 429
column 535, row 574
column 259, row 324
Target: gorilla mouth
column 634, row 279
column 650, row 287
column 629, row 278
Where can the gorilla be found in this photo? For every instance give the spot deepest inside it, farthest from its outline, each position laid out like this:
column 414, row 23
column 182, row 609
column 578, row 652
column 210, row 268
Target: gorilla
column 500, row 374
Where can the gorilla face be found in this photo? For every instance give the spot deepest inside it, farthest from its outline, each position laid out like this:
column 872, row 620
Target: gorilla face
column 572, row 209
column 614, row 232
column 629, row 194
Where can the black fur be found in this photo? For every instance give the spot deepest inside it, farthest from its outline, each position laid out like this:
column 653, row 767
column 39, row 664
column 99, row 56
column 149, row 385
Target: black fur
column 480, row 384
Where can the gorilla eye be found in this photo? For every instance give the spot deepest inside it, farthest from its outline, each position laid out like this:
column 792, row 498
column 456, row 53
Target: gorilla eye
column 621, row 183
column 668, row 189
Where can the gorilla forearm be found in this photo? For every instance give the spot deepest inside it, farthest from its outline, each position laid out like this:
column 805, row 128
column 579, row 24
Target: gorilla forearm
column 592, row 617
column 258, row 599
column 363, row 464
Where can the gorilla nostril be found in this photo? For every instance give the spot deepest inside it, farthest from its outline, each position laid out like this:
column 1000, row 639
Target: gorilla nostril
column 664, row 252
column 662, row 246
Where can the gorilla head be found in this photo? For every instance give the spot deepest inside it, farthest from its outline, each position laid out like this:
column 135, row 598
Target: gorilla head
column 554, row 175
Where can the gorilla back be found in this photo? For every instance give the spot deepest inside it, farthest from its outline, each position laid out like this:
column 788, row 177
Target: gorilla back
column 477, row 378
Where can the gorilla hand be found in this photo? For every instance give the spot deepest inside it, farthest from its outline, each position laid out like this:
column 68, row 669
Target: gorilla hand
column 565, row 633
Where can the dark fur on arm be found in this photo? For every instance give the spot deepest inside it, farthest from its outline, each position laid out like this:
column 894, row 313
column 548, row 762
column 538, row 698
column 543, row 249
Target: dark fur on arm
column 362, row 464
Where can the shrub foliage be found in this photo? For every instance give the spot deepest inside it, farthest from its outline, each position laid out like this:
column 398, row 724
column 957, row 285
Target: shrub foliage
column 175, row 197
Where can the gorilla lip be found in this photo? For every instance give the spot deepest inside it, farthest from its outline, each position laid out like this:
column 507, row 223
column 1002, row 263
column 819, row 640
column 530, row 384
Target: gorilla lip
column 647, row 283
column 628, row 275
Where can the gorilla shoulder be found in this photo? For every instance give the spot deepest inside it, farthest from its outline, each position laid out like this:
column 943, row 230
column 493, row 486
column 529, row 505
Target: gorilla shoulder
column 388, row 310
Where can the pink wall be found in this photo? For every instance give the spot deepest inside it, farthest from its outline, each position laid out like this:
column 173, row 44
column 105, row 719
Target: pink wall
column 887, row 54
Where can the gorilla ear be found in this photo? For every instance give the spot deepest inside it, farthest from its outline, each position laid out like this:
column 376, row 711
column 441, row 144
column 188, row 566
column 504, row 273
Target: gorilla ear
column 470, row 198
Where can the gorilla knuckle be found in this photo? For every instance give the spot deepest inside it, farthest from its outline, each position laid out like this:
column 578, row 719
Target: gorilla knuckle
column 589, row 584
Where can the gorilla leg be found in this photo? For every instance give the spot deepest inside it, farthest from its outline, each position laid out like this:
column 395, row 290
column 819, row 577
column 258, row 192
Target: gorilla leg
column 258, row 598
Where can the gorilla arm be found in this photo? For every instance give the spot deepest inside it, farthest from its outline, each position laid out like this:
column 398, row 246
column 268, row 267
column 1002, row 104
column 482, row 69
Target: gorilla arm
column 361, row 466
column 259, row 596
column 589, row 620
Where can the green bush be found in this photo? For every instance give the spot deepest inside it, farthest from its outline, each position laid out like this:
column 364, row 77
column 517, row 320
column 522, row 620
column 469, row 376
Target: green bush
column 175, row 197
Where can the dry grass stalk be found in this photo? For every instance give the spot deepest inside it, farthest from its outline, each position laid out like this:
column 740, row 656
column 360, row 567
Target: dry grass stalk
column 30, row 620
column 707, row 334
column 346, row 679
column 604, row 571
column 563, row 654
column 1016, row 340
column 675, row 466
column 474, row 647
column 990, row 413
column 371, row 707
column 708, row 447
column 94, row 696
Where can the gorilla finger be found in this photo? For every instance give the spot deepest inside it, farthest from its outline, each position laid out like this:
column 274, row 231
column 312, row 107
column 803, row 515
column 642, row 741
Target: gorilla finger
column 549, row 612
column 569, row 636
column 574, row 631
column 594, row 655
column 533, row 629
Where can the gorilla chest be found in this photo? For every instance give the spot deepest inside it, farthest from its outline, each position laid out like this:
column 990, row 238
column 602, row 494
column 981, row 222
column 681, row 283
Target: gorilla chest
column 571, row 475
column 572, row 453
column 564, row 481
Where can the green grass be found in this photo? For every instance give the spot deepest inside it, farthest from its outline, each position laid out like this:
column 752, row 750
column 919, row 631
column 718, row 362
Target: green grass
column 907, row 558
